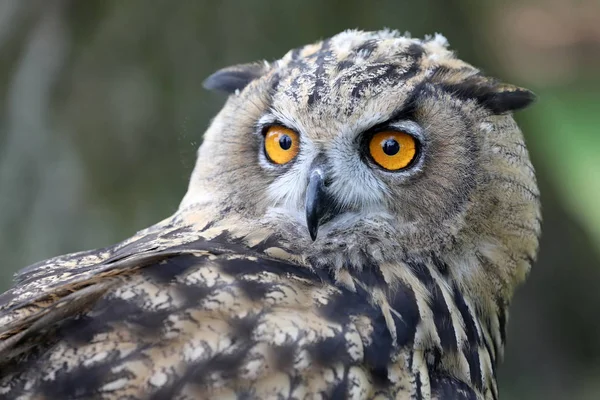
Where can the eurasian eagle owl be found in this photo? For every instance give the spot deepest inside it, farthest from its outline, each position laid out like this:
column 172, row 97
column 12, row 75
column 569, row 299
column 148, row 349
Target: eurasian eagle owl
column 359, row 216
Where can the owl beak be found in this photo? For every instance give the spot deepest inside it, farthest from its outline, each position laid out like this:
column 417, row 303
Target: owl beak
column 318, row 203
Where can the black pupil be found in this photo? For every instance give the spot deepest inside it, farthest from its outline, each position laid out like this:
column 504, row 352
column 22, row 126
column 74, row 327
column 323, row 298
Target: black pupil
column 391, row 147
column 285, row 142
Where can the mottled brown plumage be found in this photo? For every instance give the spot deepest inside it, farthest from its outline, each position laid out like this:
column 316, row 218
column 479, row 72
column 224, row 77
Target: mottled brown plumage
column 403, row 294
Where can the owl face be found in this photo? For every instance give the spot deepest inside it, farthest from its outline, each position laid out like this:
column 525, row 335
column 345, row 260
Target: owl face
column 364, row 139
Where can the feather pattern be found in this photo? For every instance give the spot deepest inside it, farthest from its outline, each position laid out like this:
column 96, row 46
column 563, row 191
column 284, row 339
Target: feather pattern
column 404, row 294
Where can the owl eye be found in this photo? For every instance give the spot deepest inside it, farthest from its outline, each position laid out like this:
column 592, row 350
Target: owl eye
column 393, row 150
column 281, row 144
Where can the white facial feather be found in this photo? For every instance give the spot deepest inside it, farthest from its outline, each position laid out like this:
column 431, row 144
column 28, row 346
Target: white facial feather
column 355, row 185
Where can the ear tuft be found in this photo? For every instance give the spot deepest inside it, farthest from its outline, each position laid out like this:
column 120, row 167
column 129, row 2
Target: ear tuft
column 503, row 98
column 499, row 98
column 236, row 77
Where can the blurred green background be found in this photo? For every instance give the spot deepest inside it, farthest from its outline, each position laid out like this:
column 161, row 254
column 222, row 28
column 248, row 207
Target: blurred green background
column 102, row 109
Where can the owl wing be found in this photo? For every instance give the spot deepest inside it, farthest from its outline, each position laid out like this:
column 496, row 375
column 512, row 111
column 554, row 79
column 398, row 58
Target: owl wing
column 171, row 314
column 180, row 317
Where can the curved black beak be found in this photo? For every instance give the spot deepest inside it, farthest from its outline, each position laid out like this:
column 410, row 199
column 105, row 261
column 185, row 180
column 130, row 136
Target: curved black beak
column 318, row 203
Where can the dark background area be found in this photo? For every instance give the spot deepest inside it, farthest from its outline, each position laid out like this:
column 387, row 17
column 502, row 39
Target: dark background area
column 102, row 110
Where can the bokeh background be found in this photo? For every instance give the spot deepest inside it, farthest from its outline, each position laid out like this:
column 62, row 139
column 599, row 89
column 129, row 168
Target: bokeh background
column 102, row 109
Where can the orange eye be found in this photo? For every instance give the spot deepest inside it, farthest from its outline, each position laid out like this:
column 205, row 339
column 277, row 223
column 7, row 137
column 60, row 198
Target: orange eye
column 281, row 144
column 393, row 150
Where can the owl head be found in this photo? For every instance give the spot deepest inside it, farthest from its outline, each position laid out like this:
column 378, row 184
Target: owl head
column 373, row 147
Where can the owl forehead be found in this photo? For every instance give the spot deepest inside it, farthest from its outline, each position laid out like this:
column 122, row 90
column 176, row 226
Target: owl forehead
column 353, row 80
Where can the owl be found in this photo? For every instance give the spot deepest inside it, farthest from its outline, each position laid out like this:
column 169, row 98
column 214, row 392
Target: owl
column 359, row 216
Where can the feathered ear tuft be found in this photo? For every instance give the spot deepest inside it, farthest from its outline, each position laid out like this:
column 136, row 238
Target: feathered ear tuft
column 235, row 77
column 497, row 97
column 500, row 98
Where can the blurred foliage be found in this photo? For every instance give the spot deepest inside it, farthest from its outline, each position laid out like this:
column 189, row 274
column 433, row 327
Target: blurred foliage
column 569, row 141
column 102, row 110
